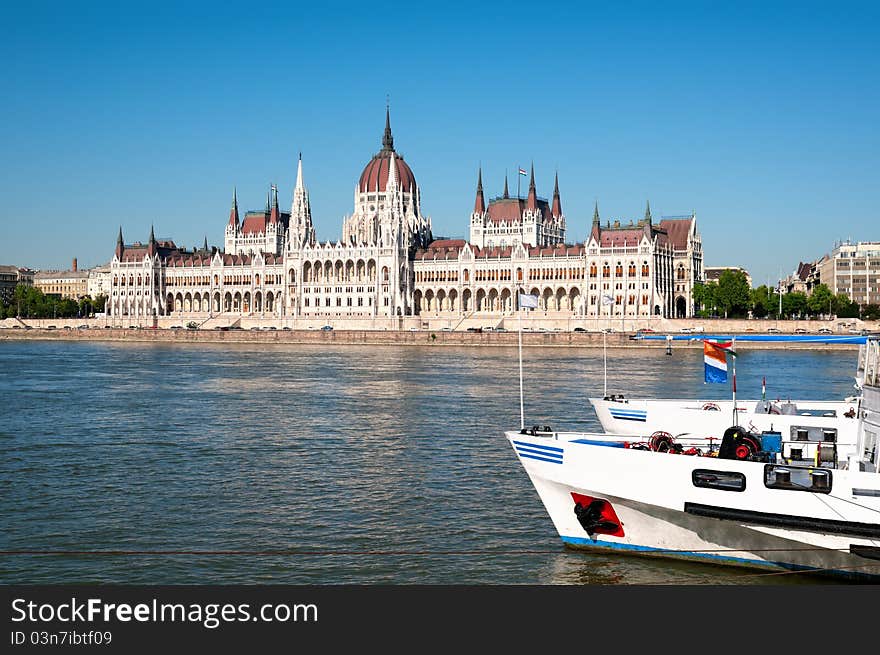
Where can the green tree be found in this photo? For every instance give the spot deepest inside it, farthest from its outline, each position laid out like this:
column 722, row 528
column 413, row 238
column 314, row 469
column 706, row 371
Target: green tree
column 734, row 295
column 843, row 307
column 764, row 301
column 871, row 312
column 794, row 304
column 821, row 300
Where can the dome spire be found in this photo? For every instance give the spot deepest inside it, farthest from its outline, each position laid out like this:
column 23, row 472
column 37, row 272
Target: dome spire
column 387, row 139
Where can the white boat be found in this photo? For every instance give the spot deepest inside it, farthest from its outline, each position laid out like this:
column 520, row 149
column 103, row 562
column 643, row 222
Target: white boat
column 771, row 510
column 702, row 423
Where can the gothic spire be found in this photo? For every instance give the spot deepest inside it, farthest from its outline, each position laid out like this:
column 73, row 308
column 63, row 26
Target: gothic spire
column 273, row 216
column 233, row 213
column 596, row 214
column 120, row 245
column 387, row 139
column 152, row 235
column 205, row 245
column 299, row 172
column 506, row 192
column 556, row 209
column 648, row 212
column 151, row 244
column 479, row 203
column 532, row 202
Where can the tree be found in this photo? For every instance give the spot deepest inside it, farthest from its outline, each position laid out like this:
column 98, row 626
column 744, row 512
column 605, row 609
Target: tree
column 871, row 312
column 705, row 297
column 844, row 307
column 794, row 304
column 821, row 300
column 734, row 294
column 764, row 301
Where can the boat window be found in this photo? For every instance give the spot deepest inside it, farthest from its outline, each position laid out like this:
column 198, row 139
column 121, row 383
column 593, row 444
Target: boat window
column 796, row 478
column 723, row 480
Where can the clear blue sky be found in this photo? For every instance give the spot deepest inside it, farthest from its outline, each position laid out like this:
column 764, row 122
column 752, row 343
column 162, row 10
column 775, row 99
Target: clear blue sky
column 762, row 118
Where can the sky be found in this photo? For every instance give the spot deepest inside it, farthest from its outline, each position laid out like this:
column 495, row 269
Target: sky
column 760, row 117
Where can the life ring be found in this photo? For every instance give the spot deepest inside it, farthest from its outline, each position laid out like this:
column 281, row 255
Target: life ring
column 661, row 442
column 712, row 407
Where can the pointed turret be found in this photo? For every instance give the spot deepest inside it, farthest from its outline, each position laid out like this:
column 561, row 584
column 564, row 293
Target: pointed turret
column 387, row 139
column 301, row 230
column 556, row 209
column 120, row 245
column 506, row 192
column 151, row 243
column 233, row 213
column 205, row 245
column 299, row 173
column 392, row 173
column 479, row 202
column 596, row 214
column 648, row 218
column 273, row 215
column 532, row 201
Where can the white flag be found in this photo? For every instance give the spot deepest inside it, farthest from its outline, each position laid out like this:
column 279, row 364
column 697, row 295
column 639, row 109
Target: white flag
column 607, row 300
column 527, row 300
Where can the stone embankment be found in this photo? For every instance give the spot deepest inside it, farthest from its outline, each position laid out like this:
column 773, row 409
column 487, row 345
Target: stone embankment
column 413, row 337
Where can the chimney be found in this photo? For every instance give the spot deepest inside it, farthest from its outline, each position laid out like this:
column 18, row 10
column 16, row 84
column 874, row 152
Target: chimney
column 74, row 265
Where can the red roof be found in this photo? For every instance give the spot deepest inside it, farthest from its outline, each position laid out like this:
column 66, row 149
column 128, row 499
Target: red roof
column 377, row 170
column 621, row 238
column 254, row 224
column 511, row 209
column 678, row 230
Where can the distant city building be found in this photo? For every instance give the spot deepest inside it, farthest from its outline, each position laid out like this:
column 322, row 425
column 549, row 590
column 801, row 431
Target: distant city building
column 853, row 269
column 99, row 281
column 713, row 273
column 802, row 280
column 71, row 284
column 11, row 277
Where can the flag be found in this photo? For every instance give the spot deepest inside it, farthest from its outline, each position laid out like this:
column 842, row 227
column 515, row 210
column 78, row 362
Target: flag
column 607, row 300
column 715, row 360
column 764, row 388
column 522, row 171
column 528, row 300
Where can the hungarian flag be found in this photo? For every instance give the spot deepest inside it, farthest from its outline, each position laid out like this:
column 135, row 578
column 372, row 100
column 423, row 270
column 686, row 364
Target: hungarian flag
column 715, row 360
column 522, row 171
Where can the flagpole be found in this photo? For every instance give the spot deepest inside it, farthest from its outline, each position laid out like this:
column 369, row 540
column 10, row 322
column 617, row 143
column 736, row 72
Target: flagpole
column 522, row 414
column 605, row 365
column 733, row 348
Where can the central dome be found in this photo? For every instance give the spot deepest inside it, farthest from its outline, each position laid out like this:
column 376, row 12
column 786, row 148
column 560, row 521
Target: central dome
column 377, row 170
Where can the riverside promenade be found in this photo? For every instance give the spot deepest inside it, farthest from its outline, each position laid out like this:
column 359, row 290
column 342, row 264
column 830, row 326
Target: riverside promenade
column 412, row 337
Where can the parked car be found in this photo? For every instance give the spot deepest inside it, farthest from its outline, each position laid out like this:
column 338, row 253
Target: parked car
column 825, row 331
column 800, row 331
column 501, row 329
column 446, row 329
column 474, row 329
column 286, row 328
column 772, row 330
column 327, row 328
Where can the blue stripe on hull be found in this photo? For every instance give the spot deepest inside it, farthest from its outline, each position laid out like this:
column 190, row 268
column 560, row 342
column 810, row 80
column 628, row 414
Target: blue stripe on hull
column 539, row 458
column 554, row 449
column 630, row 418
column 710, row 558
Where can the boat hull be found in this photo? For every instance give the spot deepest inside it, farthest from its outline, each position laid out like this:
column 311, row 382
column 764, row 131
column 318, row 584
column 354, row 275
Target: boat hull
column 662, row 514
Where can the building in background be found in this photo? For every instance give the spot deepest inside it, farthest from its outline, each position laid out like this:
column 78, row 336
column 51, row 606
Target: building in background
column 713, row 273
column 641, row 269
column 387, row 263
column 852, row 269
column 272, row 264
column 64, row 284
column 98, row 281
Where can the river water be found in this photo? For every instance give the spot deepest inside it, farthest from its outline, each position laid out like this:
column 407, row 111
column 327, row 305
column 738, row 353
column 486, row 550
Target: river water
column 365, row 465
